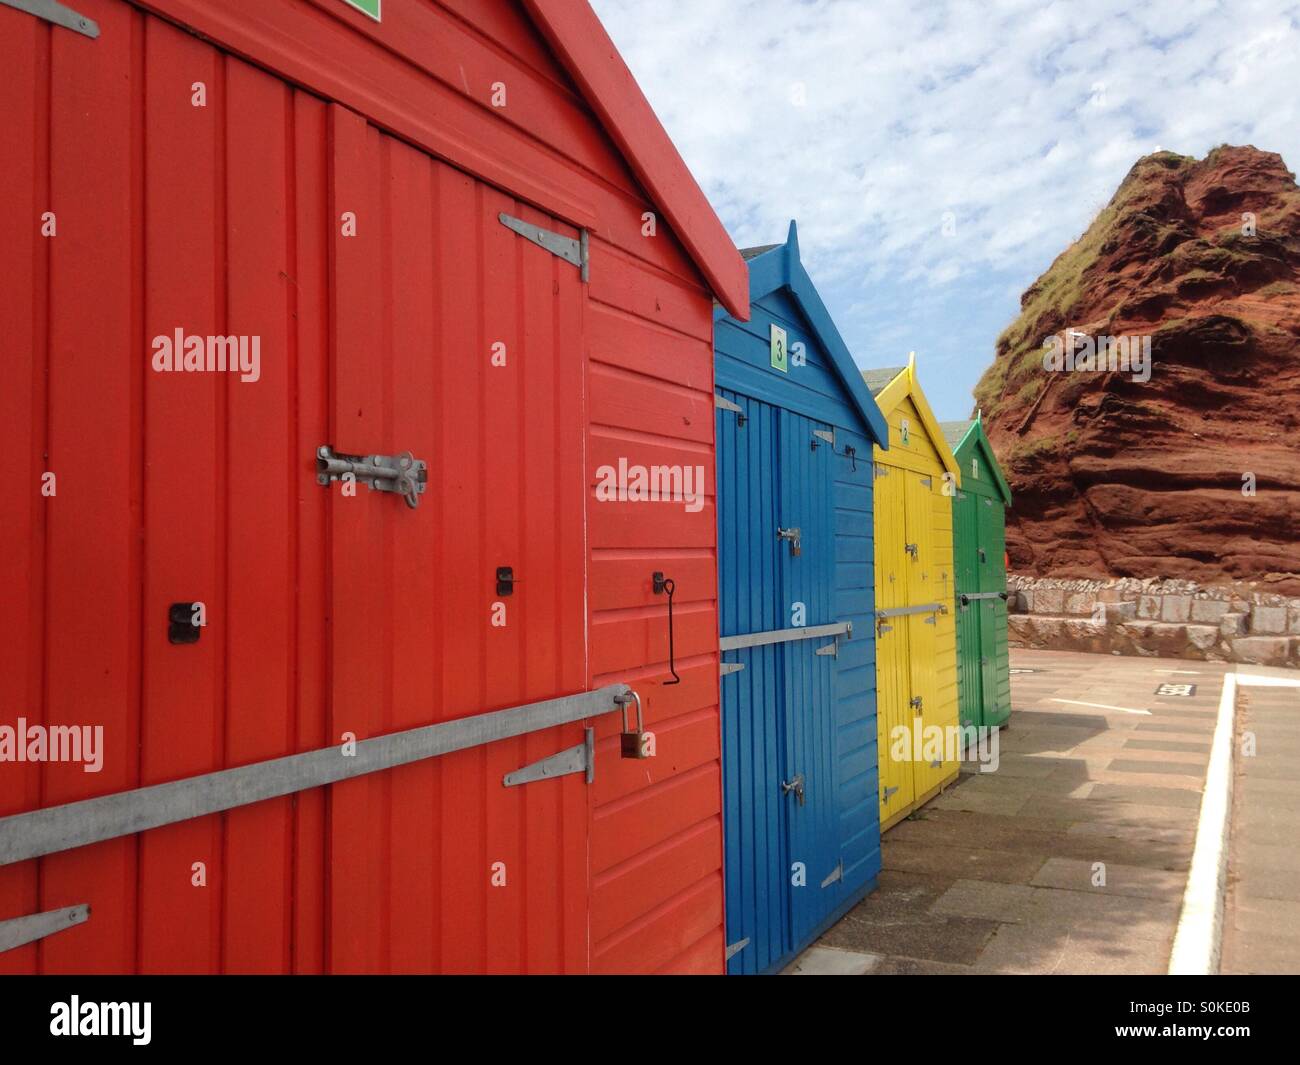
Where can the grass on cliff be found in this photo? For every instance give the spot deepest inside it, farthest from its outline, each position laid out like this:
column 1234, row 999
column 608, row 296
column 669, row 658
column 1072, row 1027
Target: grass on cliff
column 1058, row 292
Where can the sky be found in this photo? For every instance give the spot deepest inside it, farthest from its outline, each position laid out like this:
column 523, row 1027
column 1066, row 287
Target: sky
column 938, row 155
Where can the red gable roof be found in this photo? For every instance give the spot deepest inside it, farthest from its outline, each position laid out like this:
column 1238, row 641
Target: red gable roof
column 580, row 41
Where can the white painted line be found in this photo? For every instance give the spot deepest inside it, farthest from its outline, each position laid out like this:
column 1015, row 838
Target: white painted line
column 1103, row 706
column 1199, row 938
column 1255, row 680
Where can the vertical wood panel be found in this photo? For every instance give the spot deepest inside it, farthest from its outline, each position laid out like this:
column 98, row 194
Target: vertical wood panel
column 181, row 732
column 309, row 308
column 24, row 302
column 359, row 525
column 261, row 589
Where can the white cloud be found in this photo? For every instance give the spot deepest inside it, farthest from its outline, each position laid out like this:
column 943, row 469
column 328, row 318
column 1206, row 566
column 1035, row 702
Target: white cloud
column 1020, row 117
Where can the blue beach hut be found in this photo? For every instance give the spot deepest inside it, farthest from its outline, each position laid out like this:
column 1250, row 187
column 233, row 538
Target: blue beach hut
column 795, row 428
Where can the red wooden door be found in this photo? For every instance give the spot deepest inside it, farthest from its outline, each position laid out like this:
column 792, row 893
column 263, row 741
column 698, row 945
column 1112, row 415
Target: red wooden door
column 455, row 339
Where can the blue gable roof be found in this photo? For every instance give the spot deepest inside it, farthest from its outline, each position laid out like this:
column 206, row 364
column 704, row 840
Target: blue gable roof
column 777, row 280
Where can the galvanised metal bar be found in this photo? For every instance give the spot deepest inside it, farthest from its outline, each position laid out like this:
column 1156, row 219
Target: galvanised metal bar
column 77, row 824
column 758, row 639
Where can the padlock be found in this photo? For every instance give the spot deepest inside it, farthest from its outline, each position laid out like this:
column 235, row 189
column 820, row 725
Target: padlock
column 632, row 743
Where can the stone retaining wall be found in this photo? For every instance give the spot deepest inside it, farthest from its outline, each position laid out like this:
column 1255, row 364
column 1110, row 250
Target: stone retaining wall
column 1165, row 618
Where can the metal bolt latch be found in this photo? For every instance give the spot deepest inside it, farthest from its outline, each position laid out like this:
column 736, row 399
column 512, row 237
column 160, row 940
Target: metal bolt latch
column 915, row 703
column 911, row 550
column 403, row 474
column 795, row 538
column 795, row 785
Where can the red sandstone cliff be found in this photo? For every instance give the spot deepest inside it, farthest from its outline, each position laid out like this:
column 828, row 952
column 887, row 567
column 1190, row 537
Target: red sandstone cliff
column 1117, row 477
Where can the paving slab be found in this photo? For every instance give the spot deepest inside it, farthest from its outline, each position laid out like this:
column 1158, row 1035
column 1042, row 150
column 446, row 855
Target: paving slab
column 832, row 961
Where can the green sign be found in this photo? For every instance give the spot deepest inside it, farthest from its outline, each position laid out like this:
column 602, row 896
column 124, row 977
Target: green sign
column 780, row 353
column 366, row 7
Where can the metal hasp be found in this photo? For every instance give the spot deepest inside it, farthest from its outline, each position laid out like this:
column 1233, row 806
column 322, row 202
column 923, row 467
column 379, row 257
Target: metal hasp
column 20, row 930
column 795, row 537
column 78, row 824
column 568, row 249
column 403, row 474
column 57, row 13
column 725, row 669
column 759, row 639
column 970, row 597
column 579, row 759
column 796, row 786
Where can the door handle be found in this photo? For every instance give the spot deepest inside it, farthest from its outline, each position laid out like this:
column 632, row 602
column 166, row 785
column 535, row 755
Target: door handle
column 795, row 785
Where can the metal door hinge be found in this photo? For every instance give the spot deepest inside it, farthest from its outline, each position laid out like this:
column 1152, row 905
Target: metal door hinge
column 735, row 948
column 832, row 649
column 881, row 471
column 882, row 628
column 403, row 474
column 21, row 930
column 579, row 759
column 795, row 538
column 823, row 434
column 736, row 409
column 887, row 793
column 725, row 669
column 937, row 764
column 927, row 482
column 57, row 13
column 836, row 874
column 567, row 248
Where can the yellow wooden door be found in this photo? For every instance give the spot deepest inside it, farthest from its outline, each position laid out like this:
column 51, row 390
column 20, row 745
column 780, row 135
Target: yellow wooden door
column 943, row 713
column 921, row 629
column 893, row 683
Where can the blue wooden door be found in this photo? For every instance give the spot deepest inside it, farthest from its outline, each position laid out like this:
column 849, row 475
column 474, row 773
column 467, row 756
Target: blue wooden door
column 808, row 582
column 775, row 474
column 753, row 736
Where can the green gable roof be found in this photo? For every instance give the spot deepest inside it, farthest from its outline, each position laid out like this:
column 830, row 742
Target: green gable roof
column 967, row 437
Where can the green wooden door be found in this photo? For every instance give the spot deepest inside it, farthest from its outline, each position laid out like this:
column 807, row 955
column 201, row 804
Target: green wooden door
column 995, row 702
column 970, row 680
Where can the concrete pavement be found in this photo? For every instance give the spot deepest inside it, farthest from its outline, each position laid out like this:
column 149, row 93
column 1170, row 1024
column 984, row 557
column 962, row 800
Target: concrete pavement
column 1072, row 857
column 1262, row 913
